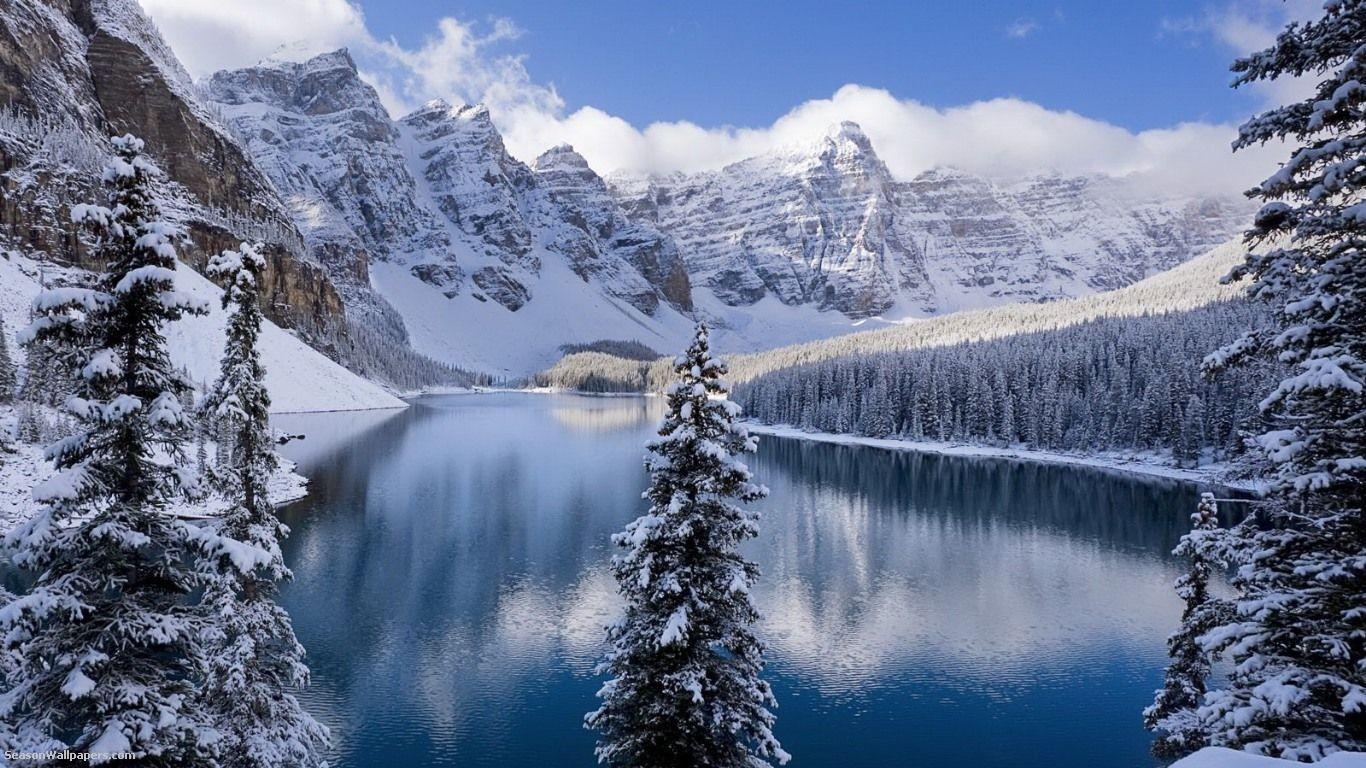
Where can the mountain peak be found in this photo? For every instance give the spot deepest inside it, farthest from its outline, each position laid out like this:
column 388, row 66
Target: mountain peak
column 848, row 133
column 560, row 156
column 304, row 56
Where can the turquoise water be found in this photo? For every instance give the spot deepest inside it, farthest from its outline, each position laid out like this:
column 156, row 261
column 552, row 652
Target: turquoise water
column 451, row 584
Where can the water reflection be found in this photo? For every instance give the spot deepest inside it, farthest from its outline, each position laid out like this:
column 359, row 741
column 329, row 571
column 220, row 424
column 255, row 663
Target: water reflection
column 451, row 586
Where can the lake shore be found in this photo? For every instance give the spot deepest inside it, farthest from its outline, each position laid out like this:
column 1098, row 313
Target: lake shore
column 1150, row 465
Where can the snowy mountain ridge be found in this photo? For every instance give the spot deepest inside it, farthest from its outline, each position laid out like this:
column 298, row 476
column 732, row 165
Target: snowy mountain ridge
column 489, row 262
column 827, row 224
column 492, row 263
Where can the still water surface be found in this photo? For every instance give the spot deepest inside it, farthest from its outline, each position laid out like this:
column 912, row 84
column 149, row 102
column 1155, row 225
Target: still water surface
column 451, row 584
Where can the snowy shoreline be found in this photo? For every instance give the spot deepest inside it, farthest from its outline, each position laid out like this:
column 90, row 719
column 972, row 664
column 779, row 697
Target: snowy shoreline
column 1211, row 474
column 23, row 466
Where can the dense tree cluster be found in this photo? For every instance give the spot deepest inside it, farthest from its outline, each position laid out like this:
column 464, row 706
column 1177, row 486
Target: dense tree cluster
column 144, row 634
column 379, row 358
column 1297, row 634
column 1108, row 384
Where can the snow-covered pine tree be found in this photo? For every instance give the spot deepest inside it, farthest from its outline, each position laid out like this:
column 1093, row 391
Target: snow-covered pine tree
column 686, row 686
column 8, row 378
column 256, row 658
column 1173, row 709
column 1298, row 687
column 105, row 644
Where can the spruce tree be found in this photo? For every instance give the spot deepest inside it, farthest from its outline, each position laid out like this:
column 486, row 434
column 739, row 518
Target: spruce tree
column 1298, row 686
column 256, row 658
column 1173, row 709
column 8, row 383
column 105, row 643
column 686, row 686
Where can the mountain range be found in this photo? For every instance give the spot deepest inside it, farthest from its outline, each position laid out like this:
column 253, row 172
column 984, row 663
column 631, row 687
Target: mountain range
column 424, row 232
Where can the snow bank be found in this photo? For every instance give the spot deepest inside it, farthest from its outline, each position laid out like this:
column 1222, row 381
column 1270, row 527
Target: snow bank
column 299, row 377
column 1219, row 757
column 21, row 470
column 1137, row 464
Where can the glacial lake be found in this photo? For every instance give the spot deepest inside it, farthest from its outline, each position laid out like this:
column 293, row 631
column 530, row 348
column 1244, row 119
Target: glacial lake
column 451, row 584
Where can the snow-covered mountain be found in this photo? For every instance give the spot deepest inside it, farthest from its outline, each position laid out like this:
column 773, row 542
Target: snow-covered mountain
column 490, row 263
column 494, row 264
column 827, row 225
column 425, row 231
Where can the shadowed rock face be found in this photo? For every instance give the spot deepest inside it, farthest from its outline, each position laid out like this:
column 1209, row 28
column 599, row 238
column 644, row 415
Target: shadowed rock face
column 502, row 287
column 633, row 260
column 92, row 68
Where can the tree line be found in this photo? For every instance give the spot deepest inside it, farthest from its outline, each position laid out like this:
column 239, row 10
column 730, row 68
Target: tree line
column 1108, row 384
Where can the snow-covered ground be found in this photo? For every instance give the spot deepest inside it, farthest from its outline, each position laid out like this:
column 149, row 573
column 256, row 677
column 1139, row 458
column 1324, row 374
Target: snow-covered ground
column 25, row 467
column 299, row 377
column 1132, row 463
column 1219, row 757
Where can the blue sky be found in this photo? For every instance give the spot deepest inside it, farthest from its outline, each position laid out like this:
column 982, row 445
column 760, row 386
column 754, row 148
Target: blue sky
column 747, row 63
column 1002, row 89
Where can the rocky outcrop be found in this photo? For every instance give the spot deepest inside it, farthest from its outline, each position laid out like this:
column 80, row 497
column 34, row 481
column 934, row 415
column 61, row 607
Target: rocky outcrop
column 498, row 284
column 636, row 262
column 471, row 178
column 327, row 142
column 813, row 226
column 75, row 73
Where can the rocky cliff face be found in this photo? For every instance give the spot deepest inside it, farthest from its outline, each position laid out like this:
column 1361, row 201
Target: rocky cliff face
column 326, row 142
column 78, row 71
column 437, row 191
column 828, row 226
column 639, row 264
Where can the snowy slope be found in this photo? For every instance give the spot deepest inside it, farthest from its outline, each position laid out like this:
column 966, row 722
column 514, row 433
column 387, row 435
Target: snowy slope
column 485, row 336
column 299, row 377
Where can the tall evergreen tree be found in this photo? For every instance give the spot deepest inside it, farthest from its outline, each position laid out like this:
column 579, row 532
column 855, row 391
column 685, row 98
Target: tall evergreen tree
column 1173, row 711
column 1298, row 687
column 106, row 644
column 256, row 658
column 8, row 378
column 686, row 686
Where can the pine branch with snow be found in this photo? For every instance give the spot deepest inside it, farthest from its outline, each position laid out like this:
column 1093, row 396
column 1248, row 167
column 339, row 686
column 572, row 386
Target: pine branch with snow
column 1298, row 640
column 1173, row 711
column 255, row 658
column 686, row 686
column 105, row 644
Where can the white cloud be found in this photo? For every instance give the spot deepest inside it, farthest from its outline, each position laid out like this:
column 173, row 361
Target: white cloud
column 209, row 35
column 462, row 63
column 1022, row 29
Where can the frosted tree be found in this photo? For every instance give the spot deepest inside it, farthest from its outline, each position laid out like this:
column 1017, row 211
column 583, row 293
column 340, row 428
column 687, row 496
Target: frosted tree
column 686, row 686
column 256, row 658
column 1173, row 712
column 105, row 643
column 8, row 379
column 1298, row 641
